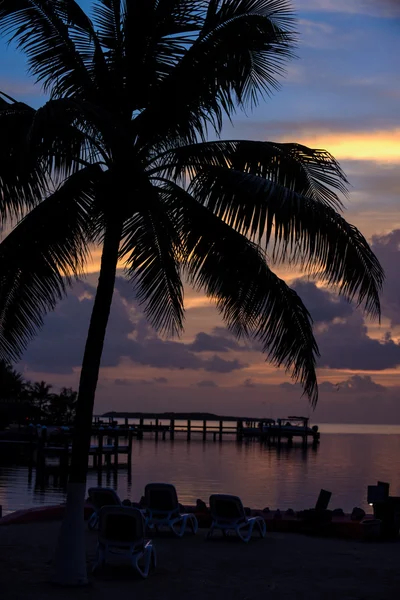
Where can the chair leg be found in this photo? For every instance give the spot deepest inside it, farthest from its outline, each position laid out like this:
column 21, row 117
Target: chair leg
column 245, row 537
column 143, row 572
column 93, row 521
column 194, row 524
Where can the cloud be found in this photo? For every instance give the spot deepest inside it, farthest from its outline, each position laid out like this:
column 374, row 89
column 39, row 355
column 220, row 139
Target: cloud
column 218, row 342
column 206, row 383
column 219, row 365
column 353, row 385
column 387, row 248
column 346, row 345
column 59, row 346
column 248, row 383
column 379, row 146
column 119, row 381
column 324, row 306
column 374, row 8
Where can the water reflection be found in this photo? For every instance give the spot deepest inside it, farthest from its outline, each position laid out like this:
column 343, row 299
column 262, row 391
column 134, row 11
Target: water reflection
column 284, row 477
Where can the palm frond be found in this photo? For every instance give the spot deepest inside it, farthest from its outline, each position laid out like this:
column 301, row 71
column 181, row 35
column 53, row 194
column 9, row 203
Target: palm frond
column 42, row 29
column 40, row 256
column 313, row 173
column 304, row 231
column 156, row 37
column 23, row 180
column 151, row 253
column 251, row 298
column 239, row 55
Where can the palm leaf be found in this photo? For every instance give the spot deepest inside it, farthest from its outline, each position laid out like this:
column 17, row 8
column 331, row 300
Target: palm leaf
column 286, row 195
column 40, row 256
column 238, row 56
column 22, row 177
column 150, row 250
column 251, row 298
column 156, row 37
column 304, row 231
column 43, row 28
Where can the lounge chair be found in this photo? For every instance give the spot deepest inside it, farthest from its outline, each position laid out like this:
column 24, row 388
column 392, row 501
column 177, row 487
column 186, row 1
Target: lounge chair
column 121, row 535
column 162, row 509
column 228, row 514
column 99, row 497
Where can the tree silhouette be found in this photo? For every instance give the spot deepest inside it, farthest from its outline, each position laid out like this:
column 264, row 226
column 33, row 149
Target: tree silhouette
column 119, row 156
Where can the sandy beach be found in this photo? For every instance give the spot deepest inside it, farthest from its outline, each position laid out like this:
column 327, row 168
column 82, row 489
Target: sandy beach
column 282, row 566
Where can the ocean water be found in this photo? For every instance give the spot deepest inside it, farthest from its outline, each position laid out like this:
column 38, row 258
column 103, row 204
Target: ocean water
column 348, row 459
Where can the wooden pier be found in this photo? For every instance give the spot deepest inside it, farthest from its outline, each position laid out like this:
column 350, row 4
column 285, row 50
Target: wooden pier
column 210, row 426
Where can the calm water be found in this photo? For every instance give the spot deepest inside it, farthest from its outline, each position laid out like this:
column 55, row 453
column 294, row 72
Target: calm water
column 349, row 458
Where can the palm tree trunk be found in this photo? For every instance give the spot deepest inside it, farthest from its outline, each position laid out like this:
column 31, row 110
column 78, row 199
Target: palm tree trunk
column 70, row 559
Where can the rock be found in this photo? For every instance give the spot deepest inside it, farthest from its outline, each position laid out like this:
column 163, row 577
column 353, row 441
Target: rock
column 266, row 509
column 290, row 512
column 338, row 512
column 278, row 514
column 201, row 505
column 358, row 514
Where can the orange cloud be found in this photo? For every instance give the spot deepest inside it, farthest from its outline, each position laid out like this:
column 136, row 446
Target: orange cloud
column 380, row 146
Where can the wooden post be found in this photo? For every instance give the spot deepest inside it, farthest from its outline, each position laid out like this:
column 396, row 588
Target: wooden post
column 140, row 436
column 126, row 422
column 204, row 430
column 163, row 434
column 172, row 429
column 156, row 429
column 100, row 451
column 116, row 444
column 220, row 430
column 188, row 429
column 130, row 440
column 239, row 430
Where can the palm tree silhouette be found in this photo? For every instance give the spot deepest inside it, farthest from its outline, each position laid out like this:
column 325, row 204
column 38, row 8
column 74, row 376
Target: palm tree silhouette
column 121, row 156
column 40, row 394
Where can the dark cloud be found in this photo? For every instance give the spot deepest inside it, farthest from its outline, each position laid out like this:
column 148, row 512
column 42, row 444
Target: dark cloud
column 346, row 345
column 206, row 383
column 59, row 346
column 122, row 381
column 323, row 305
column 161, row 380
column 219, row 365
column 205, row 342
column 354, row 384
column 248, row 383
column 387, row 249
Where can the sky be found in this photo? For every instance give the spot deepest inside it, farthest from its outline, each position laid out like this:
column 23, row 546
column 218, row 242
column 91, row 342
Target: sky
column 342, row 93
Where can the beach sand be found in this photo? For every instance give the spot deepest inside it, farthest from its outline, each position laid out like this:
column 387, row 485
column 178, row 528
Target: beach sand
column 282, row 566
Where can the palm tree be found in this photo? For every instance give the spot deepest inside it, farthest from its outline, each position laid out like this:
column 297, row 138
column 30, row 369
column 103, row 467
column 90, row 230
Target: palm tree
column 41, row 395
column 120, row 156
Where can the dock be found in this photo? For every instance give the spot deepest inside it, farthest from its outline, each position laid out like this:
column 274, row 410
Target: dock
column 215, row 427
column 113, row 436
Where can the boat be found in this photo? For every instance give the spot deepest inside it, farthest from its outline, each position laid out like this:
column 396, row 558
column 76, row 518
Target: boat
column 288, row 427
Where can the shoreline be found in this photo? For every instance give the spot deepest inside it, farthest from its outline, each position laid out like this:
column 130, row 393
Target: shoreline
column 341, row 526
column 281, row 566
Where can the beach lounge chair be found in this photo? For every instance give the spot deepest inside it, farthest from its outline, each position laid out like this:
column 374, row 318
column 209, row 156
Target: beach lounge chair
column 121, row 536
column 228, row 514
column 99, row 497
column 162, row 509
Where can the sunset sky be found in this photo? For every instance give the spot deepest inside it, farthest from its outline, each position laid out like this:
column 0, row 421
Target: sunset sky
column 342, row 94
